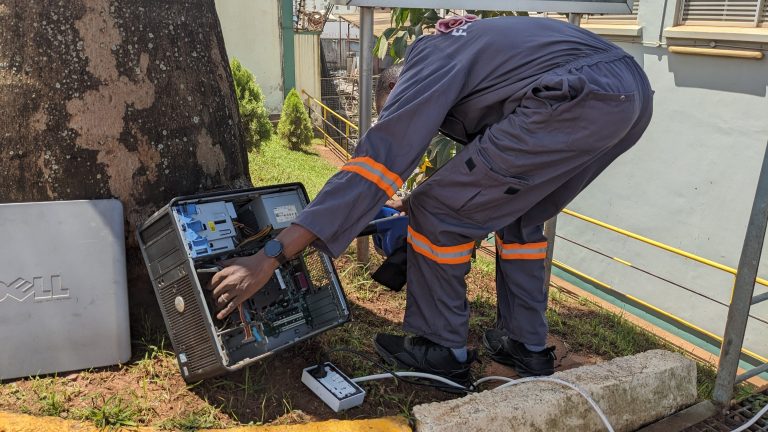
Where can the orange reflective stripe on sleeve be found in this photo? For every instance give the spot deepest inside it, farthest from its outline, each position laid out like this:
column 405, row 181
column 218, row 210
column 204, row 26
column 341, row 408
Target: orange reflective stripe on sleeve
column 521, row 251
column 374, row 172
column 459, row 254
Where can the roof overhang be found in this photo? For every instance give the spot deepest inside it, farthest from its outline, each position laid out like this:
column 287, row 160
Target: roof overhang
column 562, row 6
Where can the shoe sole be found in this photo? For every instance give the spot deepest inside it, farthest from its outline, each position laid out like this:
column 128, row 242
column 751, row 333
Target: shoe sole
column 391, row 360
column 520, row 368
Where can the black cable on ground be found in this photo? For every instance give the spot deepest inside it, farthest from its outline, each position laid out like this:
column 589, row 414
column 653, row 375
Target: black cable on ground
column 370, row 359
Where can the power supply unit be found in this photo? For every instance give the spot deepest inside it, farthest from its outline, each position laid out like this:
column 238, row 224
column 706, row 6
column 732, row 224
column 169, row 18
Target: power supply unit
column 184, row 242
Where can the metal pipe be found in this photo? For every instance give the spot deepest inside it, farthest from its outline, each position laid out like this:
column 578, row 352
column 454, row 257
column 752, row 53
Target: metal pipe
column 659, row 245
column 326, row 108
column 340, row 57
column 760, row 298
column 366, row 99
column 550, row 228
column 574, row 18
column 717, row 52
column 366, row 68
column 652, row 308
column 752, row 372
column 743, row 290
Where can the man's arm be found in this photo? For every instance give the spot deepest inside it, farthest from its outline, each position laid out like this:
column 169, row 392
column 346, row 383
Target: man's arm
column 429, row 85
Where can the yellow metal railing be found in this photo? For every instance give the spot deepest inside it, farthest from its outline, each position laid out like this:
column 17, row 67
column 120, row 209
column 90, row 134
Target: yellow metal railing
column 660, row 245
column 324, row 112
column 665, row 247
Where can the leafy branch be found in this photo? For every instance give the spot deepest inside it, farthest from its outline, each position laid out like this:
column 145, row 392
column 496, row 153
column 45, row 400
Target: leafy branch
column 407, row 24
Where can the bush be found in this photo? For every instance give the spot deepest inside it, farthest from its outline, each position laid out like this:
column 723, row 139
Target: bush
column 251, row 106
column 295, row 127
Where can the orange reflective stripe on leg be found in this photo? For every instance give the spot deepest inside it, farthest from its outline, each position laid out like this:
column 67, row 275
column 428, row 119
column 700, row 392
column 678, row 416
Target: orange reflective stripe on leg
column 521, row 251
column 459, row 254
column 374, row 172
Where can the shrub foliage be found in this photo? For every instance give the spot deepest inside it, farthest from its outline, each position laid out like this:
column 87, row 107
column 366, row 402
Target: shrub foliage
column 251, row 106
column 295, row 127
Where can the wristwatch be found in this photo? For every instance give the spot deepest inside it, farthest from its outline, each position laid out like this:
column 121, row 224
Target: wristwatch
column 274, row 249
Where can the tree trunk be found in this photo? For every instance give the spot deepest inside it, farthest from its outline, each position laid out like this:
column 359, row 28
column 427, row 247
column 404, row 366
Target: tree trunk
column 131, row 99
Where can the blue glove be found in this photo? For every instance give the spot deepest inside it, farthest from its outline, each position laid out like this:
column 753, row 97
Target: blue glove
column 391, row 230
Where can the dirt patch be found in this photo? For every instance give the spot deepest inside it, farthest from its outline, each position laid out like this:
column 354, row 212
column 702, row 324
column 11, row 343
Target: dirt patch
column 329, row 155
column 151, row 386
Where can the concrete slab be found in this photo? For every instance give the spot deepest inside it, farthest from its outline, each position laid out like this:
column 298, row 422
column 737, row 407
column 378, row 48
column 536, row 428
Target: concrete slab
column 632, row 391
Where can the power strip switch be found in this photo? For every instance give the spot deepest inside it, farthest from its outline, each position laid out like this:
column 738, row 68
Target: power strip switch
column 333, row 387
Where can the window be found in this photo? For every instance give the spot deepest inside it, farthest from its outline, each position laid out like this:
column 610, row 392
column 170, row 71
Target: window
column 731, row 13
column 620, row 28
column 613, row 19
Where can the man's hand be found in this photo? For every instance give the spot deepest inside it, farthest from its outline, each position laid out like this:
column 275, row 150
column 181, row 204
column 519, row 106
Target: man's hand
column 398, row 204
column 243, row 277
column 239, row 280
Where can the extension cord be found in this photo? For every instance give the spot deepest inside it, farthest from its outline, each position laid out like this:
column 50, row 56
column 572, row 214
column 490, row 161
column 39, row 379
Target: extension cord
column 330, row 390
column 333, row 387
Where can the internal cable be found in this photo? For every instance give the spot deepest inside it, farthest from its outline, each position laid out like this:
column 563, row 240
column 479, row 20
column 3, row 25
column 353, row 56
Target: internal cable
column 246, row 324
column 258, row 236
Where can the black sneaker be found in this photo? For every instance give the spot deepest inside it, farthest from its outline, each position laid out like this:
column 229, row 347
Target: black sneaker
column 423, row 355
column 510, row 352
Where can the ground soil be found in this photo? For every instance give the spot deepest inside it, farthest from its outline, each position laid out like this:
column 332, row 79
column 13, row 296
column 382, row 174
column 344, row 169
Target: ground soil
column 271, row 390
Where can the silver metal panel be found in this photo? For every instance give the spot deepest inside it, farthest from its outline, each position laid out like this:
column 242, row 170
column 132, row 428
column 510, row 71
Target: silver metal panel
column 63, row 287
column 562, row 6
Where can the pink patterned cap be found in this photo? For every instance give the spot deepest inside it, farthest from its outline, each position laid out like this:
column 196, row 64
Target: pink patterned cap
column 447, row 25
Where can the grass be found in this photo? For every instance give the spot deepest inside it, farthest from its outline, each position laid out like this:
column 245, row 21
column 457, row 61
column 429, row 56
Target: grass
column 204, row 418
column 587, row 327
column 51, row 397
column 275, row 163
column 110, row 413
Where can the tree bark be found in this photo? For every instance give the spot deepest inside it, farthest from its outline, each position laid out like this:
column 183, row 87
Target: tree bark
column 127, row 99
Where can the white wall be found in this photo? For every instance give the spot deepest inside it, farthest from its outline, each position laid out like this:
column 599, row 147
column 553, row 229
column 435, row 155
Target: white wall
column 333, row 29
column 307, row 54
column 252, row 34
column 689, row 183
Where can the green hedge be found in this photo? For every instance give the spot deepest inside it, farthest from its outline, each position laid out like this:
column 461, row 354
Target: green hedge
column 295, row 127
column 251, row 106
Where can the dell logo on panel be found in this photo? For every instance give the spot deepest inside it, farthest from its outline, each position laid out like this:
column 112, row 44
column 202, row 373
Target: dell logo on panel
column 37, row 290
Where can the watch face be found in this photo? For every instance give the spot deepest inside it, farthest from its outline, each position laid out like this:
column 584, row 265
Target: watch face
column 273, row 248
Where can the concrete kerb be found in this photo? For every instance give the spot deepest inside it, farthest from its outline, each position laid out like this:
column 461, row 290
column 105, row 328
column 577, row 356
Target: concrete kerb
column 11, row 422
column 632, row 391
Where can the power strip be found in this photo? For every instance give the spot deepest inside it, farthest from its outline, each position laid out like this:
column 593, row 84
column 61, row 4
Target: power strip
column 333, row 387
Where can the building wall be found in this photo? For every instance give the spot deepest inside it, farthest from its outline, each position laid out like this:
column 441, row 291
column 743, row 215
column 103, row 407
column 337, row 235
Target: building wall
column 252, row 34
column 307, row 55
column 689, row 182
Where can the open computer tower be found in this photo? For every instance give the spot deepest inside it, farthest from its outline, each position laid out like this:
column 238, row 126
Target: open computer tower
column 182, row 244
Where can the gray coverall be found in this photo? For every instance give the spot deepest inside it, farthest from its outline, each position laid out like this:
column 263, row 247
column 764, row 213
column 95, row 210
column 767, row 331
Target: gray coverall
column 542, row 106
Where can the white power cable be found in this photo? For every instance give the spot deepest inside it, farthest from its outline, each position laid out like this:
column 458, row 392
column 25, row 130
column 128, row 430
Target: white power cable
column 510, row 382
column 753, row 420
column 408, row 374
